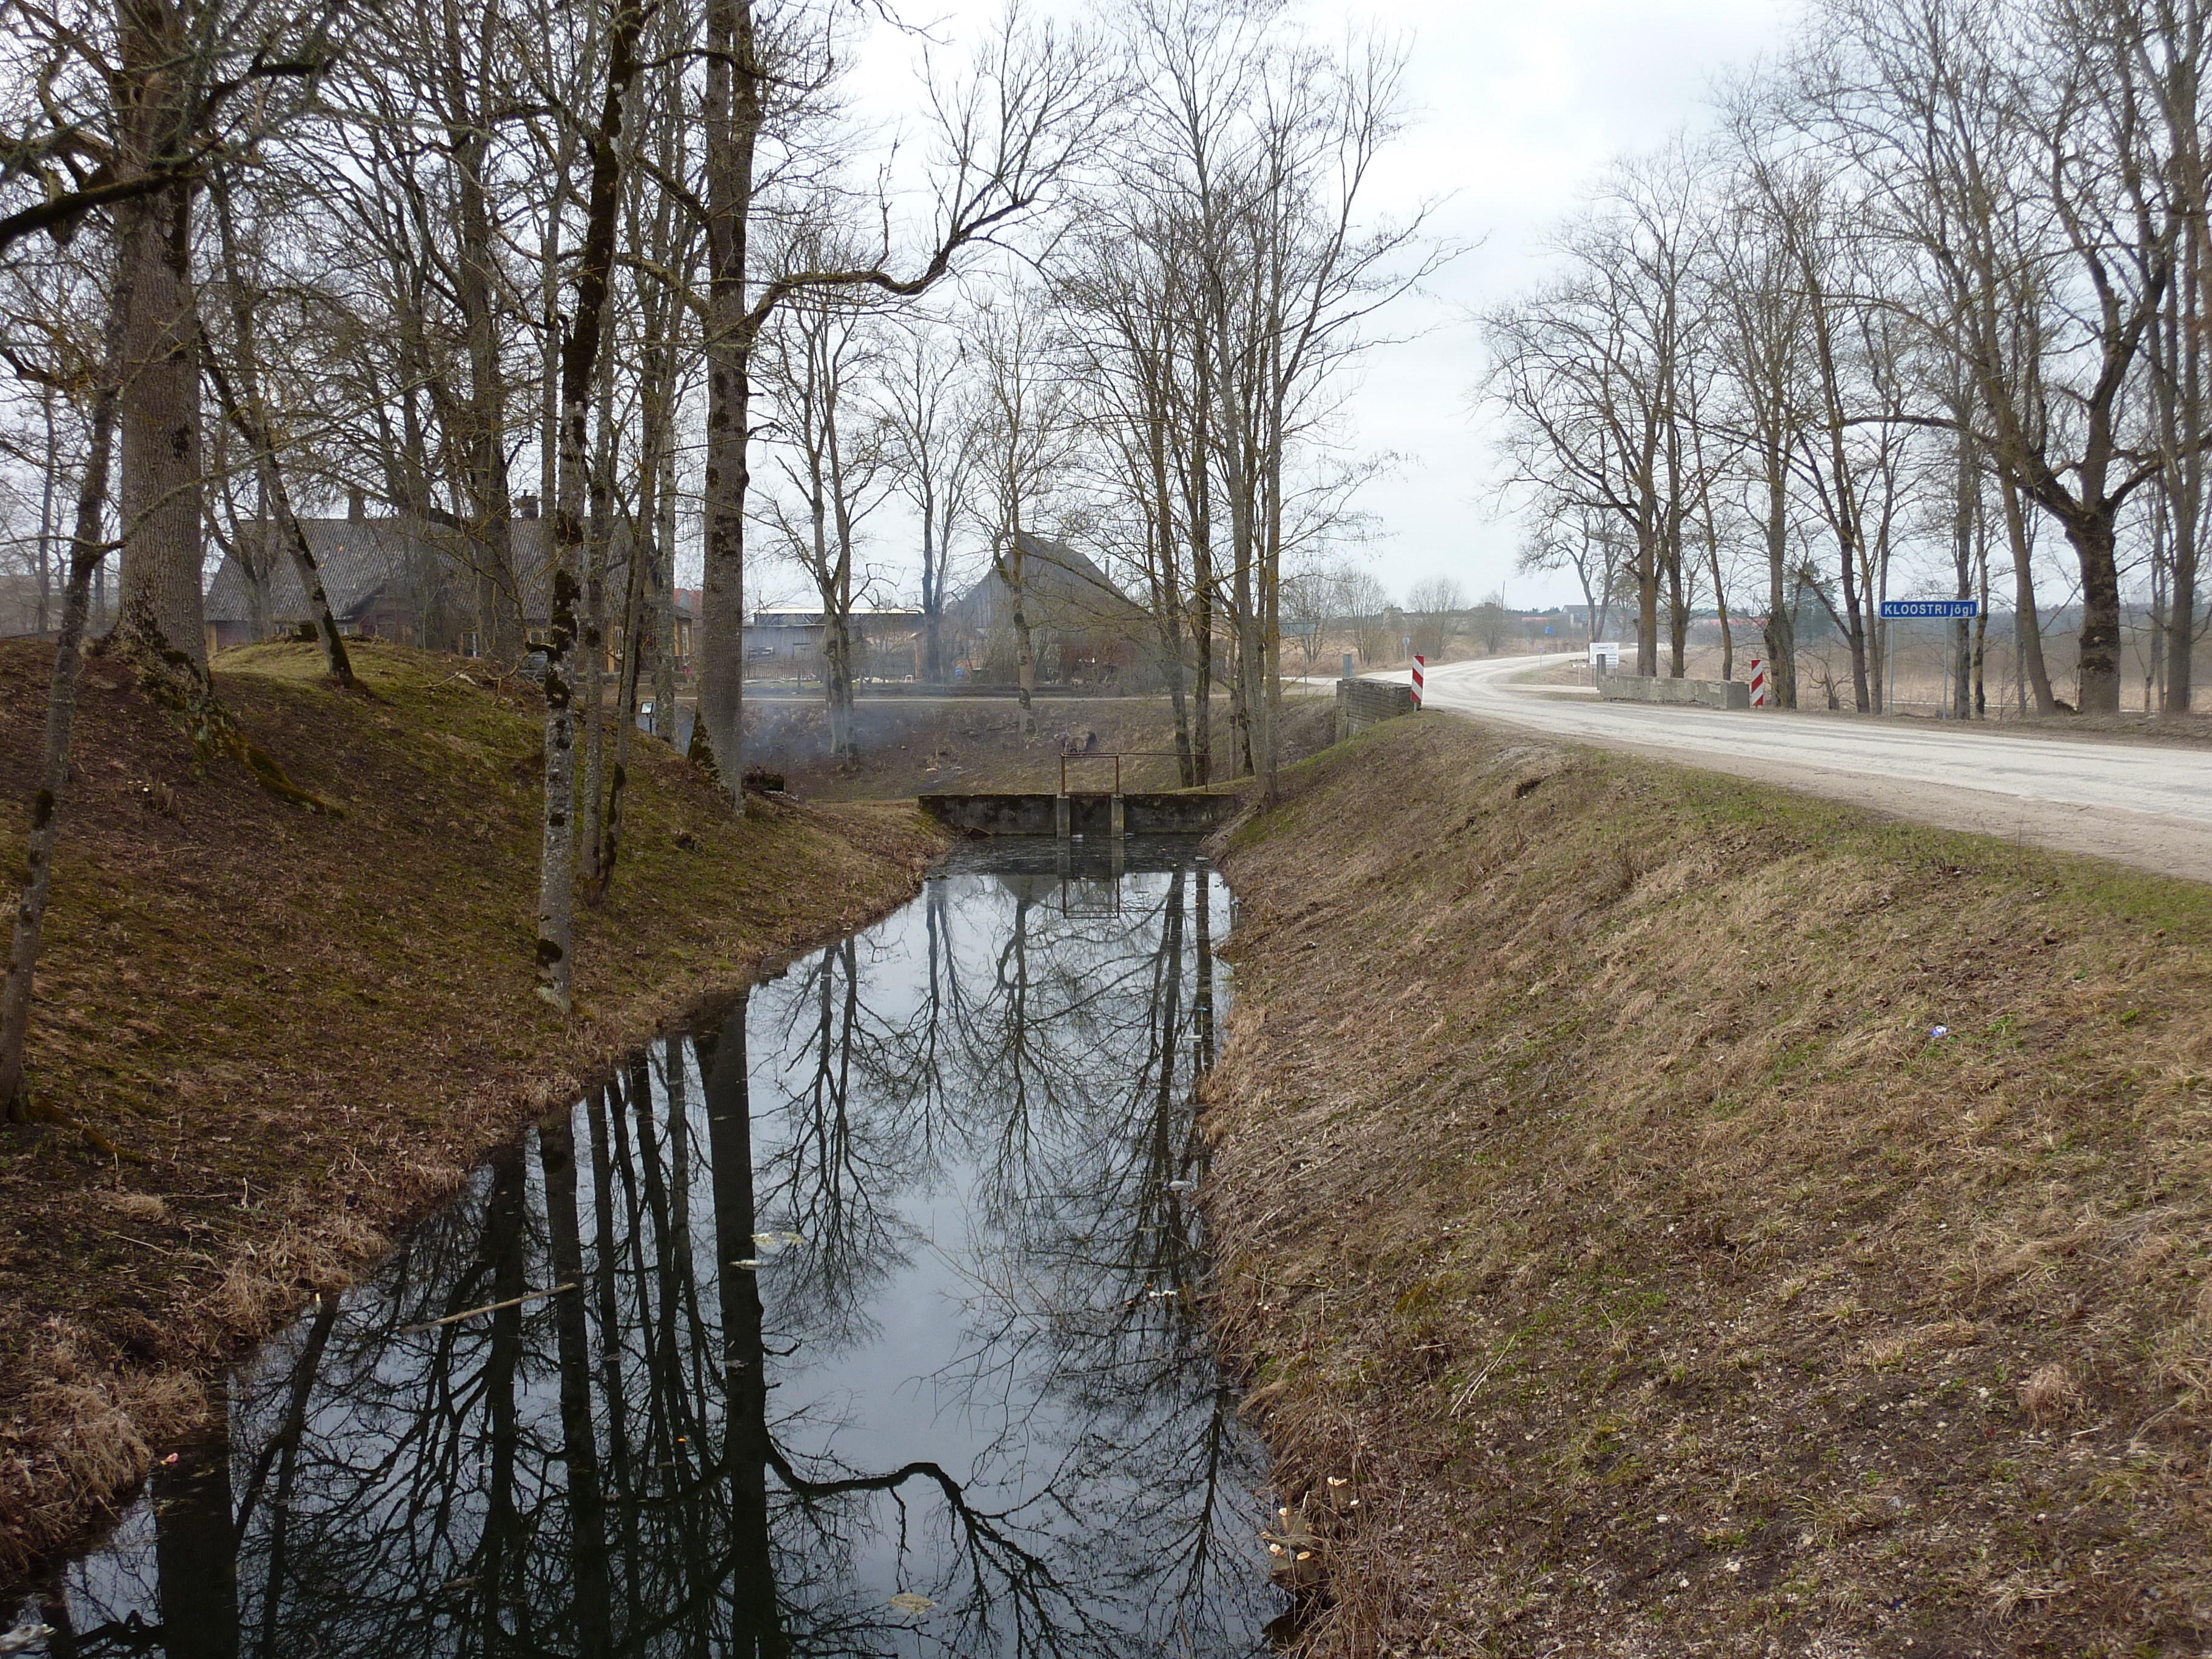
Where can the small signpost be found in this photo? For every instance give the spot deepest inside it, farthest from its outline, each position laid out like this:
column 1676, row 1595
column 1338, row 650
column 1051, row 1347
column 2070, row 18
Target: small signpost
column 1758, row 689
column 1419, row 663
column 1931, row 611
column 1940, row 609
column 1605, row 654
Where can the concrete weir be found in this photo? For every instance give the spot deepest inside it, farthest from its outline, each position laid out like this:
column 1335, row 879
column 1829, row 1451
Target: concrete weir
column 1136, row 812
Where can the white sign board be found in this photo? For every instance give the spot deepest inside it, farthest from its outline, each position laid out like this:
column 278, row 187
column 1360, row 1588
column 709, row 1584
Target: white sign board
column 1604, row 653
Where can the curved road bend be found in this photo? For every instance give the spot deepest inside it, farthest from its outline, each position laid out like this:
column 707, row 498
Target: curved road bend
column 2140, row 804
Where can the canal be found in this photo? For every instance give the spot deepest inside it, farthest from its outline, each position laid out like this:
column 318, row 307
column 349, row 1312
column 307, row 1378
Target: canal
column 857, row 1319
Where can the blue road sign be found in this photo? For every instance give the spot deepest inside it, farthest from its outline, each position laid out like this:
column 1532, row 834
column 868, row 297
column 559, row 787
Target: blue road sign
column 1896, row 610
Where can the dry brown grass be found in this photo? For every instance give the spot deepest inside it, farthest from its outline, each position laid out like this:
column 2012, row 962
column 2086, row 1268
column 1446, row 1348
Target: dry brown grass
column 301, row 1031
column 1592, row 1191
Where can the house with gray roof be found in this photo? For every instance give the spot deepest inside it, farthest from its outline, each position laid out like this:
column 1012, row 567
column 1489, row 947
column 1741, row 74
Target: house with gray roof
column 1083, row 629
column 403, row 579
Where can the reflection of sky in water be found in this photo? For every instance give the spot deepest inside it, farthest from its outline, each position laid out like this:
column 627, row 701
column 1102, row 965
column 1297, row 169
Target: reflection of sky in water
column 964, row 1124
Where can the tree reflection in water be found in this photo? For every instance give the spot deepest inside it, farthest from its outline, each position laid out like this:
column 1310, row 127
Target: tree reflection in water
column 875, row 1337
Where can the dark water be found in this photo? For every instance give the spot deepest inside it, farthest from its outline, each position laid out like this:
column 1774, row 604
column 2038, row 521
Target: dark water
column 877, row 1339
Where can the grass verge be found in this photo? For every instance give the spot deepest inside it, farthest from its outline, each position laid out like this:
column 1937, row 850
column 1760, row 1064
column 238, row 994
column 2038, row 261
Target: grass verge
column 1662, row 1215
column 300, row 1030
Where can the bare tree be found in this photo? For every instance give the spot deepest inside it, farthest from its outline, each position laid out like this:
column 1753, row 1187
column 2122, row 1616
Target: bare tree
column 926, row 413
column 2006, row 170
column 817, row 355
column 1437, row 605
column 1597, row 374
column 579, row 355
column 1026, row 448
column 1005, row 137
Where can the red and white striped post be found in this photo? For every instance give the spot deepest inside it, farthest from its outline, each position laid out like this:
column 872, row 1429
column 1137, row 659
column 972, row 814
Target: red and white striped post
column 1757, row 683
column 1419, row 664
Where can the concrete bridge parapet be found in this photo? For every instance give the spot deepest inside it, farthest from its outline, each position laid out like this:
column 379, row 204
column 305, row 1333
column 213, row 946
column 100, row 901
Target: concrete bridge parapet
column 1703, row 694
column 1363, row 703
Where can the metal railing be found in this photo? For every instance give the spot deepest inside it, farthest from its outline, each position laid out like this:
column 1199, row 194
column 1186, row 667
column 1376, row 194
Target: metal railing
column 1115, row 758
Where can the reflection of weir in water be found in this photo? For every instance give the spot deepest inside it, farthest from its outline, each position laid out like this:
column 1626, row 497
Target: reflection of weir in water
column 870, row 1332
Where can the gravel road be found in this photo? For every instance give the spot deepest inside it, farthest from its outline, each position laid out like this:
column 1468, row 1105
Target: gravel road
column 2139, row 803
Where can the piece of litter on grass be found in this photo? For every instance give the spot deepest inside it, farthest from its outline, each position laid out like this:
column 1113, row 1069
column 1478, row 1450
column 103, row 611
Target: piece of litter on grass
column 908, row 1601
column 1938, row 1031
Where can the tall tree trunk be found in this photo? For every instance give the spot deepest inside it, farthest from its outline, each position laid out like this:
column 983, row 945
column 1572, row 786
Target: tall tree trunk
column 2184, row 370
column 933, row 596
column 1012, row 573
column 46, row 517
column 591, row 1605
column 732, row 121
column 2028, row 627
column 625, row 713
column 159, row 408
column 196, row 1545
column 248, row 414
column 1198, row 493
column 2094, row 539
column 499, row 620
column 1967, row 487
column 1780, row 633
column 1647, row 602
column 664, row 579
column 1867, row 689
column 87, row 549
column 579, row 354
column 748, row 1449
column 1245, row 682
column 1720, row 598
column 595, row 612
column 1982, row 616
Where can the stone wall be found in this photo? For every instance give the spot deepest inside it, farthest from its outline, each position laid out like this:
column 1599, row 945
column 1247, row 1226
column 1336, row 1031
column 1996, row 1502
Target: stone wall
column 994, row 815
column 1363, row 703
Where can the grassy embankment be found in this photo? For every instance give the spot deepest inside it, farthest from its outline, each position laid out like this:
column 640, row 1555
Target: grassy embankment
column 299, row 1031
column 1598, row 1202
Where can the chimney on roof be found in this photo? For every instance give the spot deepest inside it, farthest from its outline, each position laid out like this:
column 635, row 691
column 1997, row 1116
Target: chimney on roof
column 527, row 506
column 356, row 505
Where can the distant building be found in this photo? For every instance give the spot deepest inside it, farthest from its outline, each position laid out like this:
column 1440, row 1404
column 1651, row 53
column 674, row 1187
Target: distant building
column 787, row 643
column 1083, row 629
column 19, row 609
column 391, row 578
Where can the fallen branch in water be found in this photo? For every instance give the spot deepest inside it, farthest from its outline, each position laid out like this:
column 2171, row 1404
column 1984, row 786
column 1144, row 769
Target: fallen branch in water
column 489, row 1307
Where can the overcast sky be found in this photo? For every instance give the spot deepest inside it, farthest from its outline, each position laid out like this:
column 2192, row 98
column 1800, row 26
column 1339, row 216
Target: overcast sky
column 1517, row 106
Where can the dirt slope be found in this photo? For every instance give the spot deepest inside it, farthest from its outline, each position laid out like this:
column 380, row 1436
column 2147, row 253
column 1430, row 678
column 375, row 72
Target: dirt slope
column 298, row 1029
column 1694, row 1220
